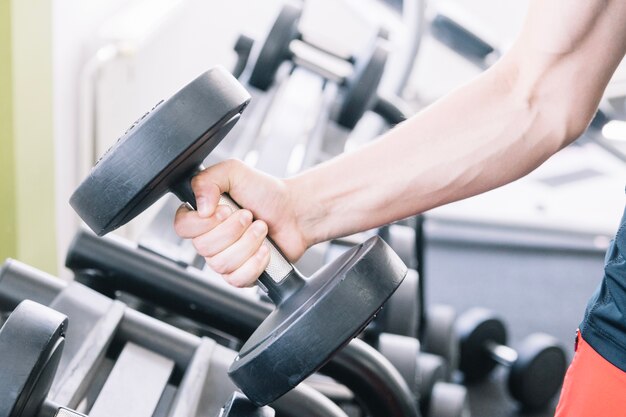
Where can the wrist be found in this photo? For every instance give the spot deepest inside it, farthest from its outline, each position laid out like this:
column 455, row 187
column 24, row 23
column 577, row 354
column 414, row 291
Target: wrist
column 310, row 215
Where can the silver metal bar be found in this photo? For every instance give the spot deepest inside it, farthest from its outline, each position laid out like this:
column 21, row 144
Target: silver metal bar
column 70, row 386
column 135, row 384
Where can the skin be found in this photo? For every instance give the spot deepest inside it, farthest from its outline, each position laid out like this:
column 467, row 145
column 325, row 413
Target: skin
column 537, row 99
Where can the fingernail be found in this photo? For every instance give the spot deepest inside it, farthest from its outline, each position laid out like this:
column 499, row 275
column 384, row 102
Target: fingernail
column 203, row 206
column 246, row 217
column 258, row 228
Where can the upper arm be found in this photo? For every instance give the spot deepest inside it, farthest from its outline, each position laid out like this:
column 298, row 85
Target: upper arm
column 565, row 56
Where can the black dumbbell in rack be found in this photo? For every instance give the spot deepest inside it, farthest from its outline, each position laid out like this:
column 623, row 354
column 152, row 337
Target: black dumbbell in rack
column 358, row 77
column 426, row 374
column 536, row 368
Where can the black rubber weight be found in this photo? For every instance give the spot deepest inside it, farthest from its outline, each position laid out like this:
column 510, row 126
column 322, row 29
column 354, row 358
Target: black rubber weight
column 301, row 335
column 167, row 144
column 475, row 328
column 449, row 400
column 401, row 314
column 31, row 342
column 440, row 335
column 275, row 49
column 538, row 373
column 361, row 89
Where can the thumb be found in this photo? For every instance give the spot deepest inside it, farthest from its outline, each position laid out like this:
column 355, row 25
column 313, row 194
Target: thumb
column 207, row 187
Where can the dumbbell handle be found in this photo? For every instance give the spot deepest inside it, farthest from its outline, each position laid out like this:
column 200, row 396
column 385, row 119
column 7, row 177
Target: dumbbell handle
column 502, row 354
column 279, row 267
column 319, row 61
column 280, row 279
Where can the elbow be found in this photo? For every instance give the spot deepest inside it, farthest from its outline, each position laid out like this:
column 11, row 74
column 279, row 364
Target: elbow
column 564, row 124
column 555, row 97
column 577, row 122
column 571, row 118
column 560, row 114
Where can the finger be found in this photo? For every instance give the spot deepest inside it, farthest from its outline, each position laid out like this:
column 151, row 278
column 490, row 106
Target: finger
column 188, row 224
column 209, row 184
column 249, row 272
column 239, row 252
column 224, row 234
column 207, row 196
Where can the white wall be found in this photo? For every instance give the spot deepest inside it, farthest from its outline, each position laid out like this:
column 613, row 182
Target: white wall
column 73, row 35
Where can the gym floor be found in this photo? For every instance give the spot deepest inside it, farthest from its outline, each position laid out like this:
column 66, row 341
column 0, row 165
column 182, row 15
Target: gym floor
column 533, row 290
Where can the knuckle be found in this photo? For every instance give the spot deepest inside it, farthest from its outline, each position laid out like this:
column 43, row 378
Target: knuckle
column 236, row 280
column 218, row 264
column 201, row 182
column 262, row 262
column 261, row 265
column 197, row 180
column 201, row 246
column 232, row 163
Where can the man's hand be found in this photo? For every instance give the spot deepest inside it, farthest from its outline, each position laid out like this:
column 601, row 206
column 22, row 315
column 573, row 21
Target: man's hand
column 232, row 242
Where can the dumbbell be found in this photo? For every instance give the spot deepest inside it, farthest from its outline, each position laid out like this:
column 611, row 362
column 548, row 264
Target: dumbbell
column 313, row 317
column 358, row 77
column 435, row 324
column 401, row 315
column 440, row 337
column 536, row 369
column 31, row 344
column 425, row 374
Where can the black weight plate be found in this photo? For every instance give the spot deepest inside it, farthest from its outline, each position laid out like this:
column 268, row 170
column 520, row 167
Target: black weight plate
column 440, row 335
column 401, row 314
column 432, row 370
column 301, row 335
column 538, row 372
column 276, row 47
column 31, row 342
column 403, row 352
column 243, row 48
column 449, row 400
column 360, row 91
column 171, row 141
column 475, row 328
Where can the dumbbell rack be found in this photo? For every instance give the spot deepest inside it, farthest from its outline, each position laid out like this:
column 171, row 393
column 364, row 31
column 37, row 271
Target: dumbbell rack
column 373, row 380
column 115, row 356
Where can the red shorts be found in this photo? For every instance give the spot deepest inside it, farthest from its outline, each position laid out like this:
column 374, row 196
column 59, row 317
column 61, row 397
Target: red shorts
column 593, row 387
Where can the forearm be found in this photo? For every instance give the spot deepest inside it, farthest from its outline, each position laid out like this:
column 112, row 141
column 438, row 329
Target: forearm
column 537, row 99
column 463, row 145
column 497, row 128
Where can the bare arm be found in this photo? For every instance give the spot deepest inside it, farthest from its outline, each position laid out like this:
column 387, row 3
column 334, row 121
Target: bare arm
column 538, row 98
